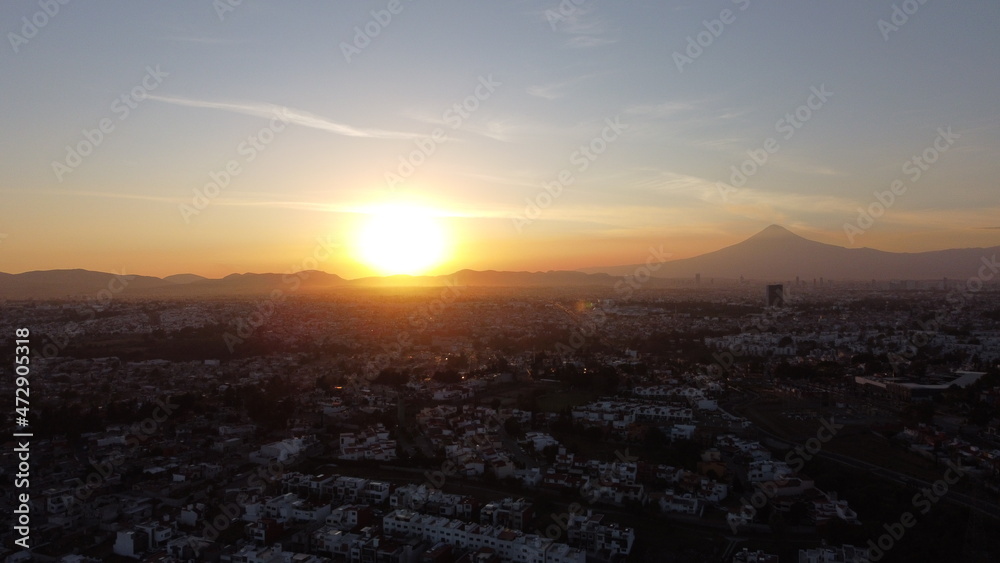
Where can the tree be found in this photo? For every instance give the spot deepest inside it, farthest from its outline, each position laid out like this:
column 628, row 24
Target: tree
column 550, row 453
column 513, row 427
column 918, row 412
column 655, row 438
column 797, row 514
column 448, row 376
column 458, row 362
column 391, row 378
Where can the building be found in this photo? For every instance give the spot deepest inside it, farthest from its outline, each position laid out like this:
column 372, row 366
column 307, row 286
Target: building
column 758, row 556
column 588, row 531
column 775, row 295
column 831, row 554
column 508, row 513
column 512, row 546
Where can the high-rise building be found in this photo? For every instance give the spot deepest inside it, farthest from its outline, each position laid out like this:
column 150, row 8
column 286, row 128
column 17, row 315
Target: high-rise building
column 775, row 295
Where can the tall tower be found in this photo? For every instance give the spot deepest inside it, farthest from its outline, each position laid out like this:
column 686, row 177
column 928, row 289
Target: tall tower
column 774, row 296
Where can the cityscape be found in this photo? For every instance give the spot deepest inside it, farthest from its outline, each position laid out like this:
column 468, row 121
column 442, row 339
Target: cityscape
column 528, row 282
column 684, row 420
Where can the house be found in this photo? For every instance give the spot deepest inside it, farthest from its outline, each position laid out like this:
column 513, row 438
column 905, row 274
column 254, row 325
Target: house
column 508, row 513
column 589, row 531
column 512, row 546
column 830, row 554
column 758, row 556
column 685, row 503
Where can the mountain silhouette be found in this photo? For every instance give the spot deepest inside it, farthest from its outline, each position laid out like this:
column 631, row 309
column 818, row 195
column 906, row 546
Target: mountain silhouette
column 777, row 254
column 773, row 254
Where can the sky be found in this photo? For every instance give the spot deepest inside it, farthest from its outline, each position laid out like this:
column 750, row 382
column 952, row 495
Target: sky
column 248, row 136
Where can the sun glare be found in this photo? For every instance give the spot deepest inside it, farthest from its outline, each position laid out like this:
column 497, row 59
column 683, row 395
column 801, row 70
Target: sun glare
column 401, row 240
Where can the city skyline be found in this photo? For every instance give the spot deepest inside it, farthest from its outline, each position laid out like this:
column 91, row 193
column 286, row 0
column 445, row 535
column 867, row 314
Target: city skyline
column 529, row 136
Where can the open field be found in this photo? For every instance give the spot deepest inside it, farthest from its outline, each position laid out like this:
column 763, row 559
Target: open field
column 875, row 450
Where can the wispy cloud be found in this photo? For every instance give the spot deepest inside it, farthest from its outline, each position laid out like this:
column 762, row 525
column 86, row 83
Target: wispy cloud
column 802, row 165
column 555, row 90
column 584, row 27
column 297, row 116
column 551, row 91
column 511, row 179
column 661, row 110
column 275, row 201
column 587, row 40
column 509, row 127
column 114, row 195
column 202, row 40
column 492, row 128
column 759, row 203
column 667, row 182
column 361, row 208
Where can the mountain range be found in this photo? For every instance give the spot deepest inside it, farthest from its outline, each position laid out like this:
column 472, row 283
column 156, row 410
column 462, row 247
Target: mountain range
column 774, row 254
column 777, row 254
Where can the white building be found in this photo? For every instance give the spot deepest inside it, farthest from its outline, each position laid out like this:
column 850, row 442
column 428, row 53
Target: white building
column 682, row 432
column 588, row 531
column 760, row 471
column 284, row 451
column 512, row 546
column 371, row 443
column 830, row 554
column 680, row 503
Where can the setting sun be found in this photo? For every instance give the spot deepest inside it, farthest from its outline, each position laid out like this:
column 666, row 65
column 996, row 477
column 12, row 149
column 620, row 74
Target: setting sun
column 401, row 240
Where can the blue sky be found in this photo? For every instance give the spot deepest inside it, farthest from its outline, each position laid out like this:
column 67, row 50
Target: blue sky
column 557, row 73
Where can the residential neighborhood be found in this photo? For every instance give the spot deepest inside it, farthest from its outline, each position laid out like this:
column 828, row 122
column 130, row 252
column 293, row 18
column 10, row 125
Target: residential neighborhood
column 490, row 438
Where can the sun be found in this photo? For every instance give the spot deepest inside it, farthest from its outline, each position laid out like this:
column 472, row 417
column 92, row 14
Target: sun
column 401, row 239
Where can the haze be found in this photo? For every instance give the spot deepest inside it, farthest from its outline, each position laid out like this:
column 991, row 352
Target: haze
column 309, row 124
